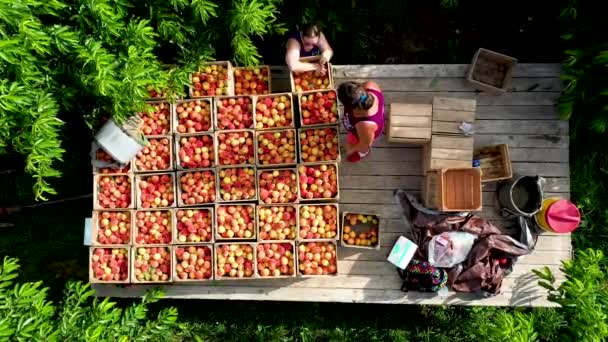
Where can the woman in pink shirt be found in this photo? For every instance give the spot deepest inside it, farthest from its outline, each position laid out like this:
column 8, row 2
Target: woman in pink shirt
column 363, row 117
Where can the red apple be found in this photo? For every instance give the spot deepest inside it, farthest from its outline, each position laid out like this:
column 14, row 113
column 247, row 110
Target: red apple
column 193, row 263
column 251, row 81
column 317, row 258
column 276, row 147
column 318, row 181
column 235, row 148
column 273, row 111
column 156, row 156
column 275, row 259
column 237, row 183
column 193, row 116
column 156, row 122
column 234, row 113
column 196, row 152
column 113, row 228
column 278, row 186
column 235, row 221
column 319, row 144
column 114, row 192
column 152, row 264
column 318, row 222
column 311, row 80
column 197, row 187
column 110, row 264
column 156, row 191
column 234, row 260
column 155, row 94
column 210, row 80
column 153, row 227
column 319, row 108
column 367, row 227
column 277, row 222
column 194, row 225
column 104, row 156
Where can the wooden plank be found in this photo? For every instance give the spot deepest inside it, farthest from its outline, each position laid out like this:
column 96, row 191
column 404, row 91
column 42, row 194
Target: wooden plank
column 483, row 99
column 514, row 127
column 465, row 143
column 533, row 140
column 540, row 155
column 452, row 154
column 453, row 115
column 516, row 113
column 446, row 127
column 452, row 103
column 435, row 70
column 411, row 121
column 410, row 132
column 410, row 109
column 454, row 84
column 349, row 181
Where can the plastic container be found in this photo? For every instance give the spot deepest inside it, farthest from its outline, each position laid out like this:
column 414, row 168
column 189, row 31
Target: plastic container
column 558, row 215
column 117, row 143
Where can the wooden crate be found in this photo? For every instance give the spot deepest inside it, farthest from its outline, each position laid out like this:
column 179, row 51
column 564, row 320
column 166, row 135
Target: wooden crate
column 300, row 263
column 218, row 247
column 180, row 201
column 313, row 59
column 218, row 101
column 210, row 211
column 260, row 226
column 495, row 162
column 96, row 178
column 94, row 280
column 450, row 112
column 410, row 123
column 177, row 149
column 491, row 71
column 140, row 177
column 175, row 116
column 445, row 152
column 135, row 229
column 219, row 238
column 218, row 183
column 259, row 124
column 230, row 76
column 172, row 152
column 336, row 130
column 259, row 173
column 300, row 114
column 132, row 263
column 260, row 152
column 294, row 256
column 300, row 232
column 430, row 194
column 175, row 263
column 333, row 199
column 247, row 91
column 95, row 226
column 459, row 189
column 360, row 227
column 250, row 133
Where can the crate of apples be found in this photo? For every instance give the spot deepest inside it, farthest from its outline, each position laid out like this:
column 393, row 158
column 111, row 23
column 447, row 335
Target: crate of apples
column 319, row 145
column 318, row 221
column 193, row 116
column 151, row 264
column 103, row 156
column 212, row 79
column 235, row 222
column 237, row 184
column 276, row 260
column 155, row 190
column 111, row 227
column 157, row 121
column 193, row 225
column 274, row 111
column 312, row 80
column 193, row 263
column 252, row 81
column 277, row 222
column 360, row 230
column 319, row 108
column 318, row 182
column 108, row 265
column 276, row 148
column 317, row 258
column 278, row 186
column 195, row 152
column 113, row 192
column 196, row 187
column 152, row 227
column 235, row 148
column 234, row 260
column 156, row 156
column 234, row 112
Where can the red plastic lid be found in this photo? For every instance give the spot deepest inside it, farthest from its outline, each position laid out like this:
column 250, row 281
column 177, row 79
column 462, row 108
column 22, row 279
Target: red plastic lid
column 563, row 216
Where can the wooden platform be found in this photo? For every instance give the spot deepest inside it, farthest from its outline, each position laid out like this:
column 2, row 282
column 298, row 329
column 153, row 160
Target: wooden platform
column 524, row 118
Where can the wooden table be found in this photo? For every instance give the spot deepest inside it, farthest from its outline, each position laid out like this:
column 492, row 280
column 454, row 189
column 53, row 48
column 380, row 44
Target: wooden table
column 524, row 118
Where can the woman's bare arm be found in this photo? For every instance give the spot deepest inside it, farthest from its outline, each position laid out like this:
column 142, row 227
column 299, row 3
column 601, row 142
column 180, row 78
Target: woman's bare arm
column 292, row 58
column 366, row 132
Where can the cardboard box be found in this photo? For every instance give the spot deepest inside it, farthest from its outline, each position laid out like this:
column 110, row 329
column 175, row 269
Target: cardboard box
column 209, row 101
column 134, row 253
column 208, row 248
column 143, row 176
column 332, row 199
column 218, row 250
column 95, row 229
column 335, row 107
column 260, row 125
column 293, row 229
column 180, row 200
column 219, row 184
column 264, row 200
column 314, row 59
column 170, row 226
column 336, row 131
column 294, row 259
column 170, row 165
column 261, row 152
column 491, row 71
column 495, row 162
column 221, row 226
column 210, row 238
column 249, row 133
column 301, row 232
column 169, row 116
column 96, row 179
column 302, row 263
column 410, row 123
column 218, row 116
column 360, row 227
column 402, row 252
column 211, row 149
column 243, row 89
column 93, row 279
column 229, row 74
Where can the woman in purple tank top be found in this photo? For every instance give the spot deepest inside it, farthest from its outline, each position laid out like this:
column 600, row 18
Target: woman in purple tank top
column 363, row 117
column 309, row 41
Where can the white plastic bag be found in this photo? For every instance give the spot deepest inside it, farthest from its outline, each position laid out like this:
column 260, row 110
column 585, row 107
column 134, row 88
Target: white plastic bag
column 450, row 248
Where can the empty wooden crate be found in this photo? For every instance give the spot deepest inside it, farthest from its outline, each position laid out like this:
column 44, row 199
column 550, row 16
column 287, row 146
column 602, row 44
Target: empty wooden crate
column 494, row 161
column 453, row 190
column 410, row 123
column 491, row 71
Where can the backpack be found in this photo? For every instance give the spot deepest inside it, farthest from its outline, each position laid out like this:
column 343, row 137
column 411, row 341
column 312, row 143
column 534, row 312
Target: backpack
column 422, row 276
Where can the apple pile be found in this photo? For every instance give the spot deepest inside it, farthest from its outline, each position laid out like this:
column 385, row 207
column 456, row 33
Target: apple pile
column 154, row 94
column 152, row 264
column 110, row 264
column 102, row 155
column 251, row 81
column 317, row 258
column 234, row 260
column 235, row 221
column 210, row 80
column 278, row 186
column 153, row 227
column 197, row 187
column 318, row 222
column 277, row 222
column 196, row 152
column 273, row 111
column 276, row 147
column 114, row 192
column 318, row 181
column 319, row 144
column 369, row 237
column 194, row 225
column 311, row 80
column 237, row 184
column 156, row 191
column 193, row 116
column 193, row 263
column 319, row 108
column 235, row 148
column 234, row 113
column 275, row 259
column 158, row 121
column 156, row 156
column 113, row 227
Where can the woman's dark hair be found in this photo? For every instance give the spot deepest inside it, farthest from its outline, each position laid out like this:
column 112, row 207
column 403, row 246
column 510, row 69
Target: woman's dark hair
column 311, row 30
column 353, row 94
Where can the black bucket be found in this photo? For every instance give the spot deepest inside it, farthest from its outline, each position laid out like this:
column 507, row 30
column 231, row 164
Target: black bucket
column 521, row 195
